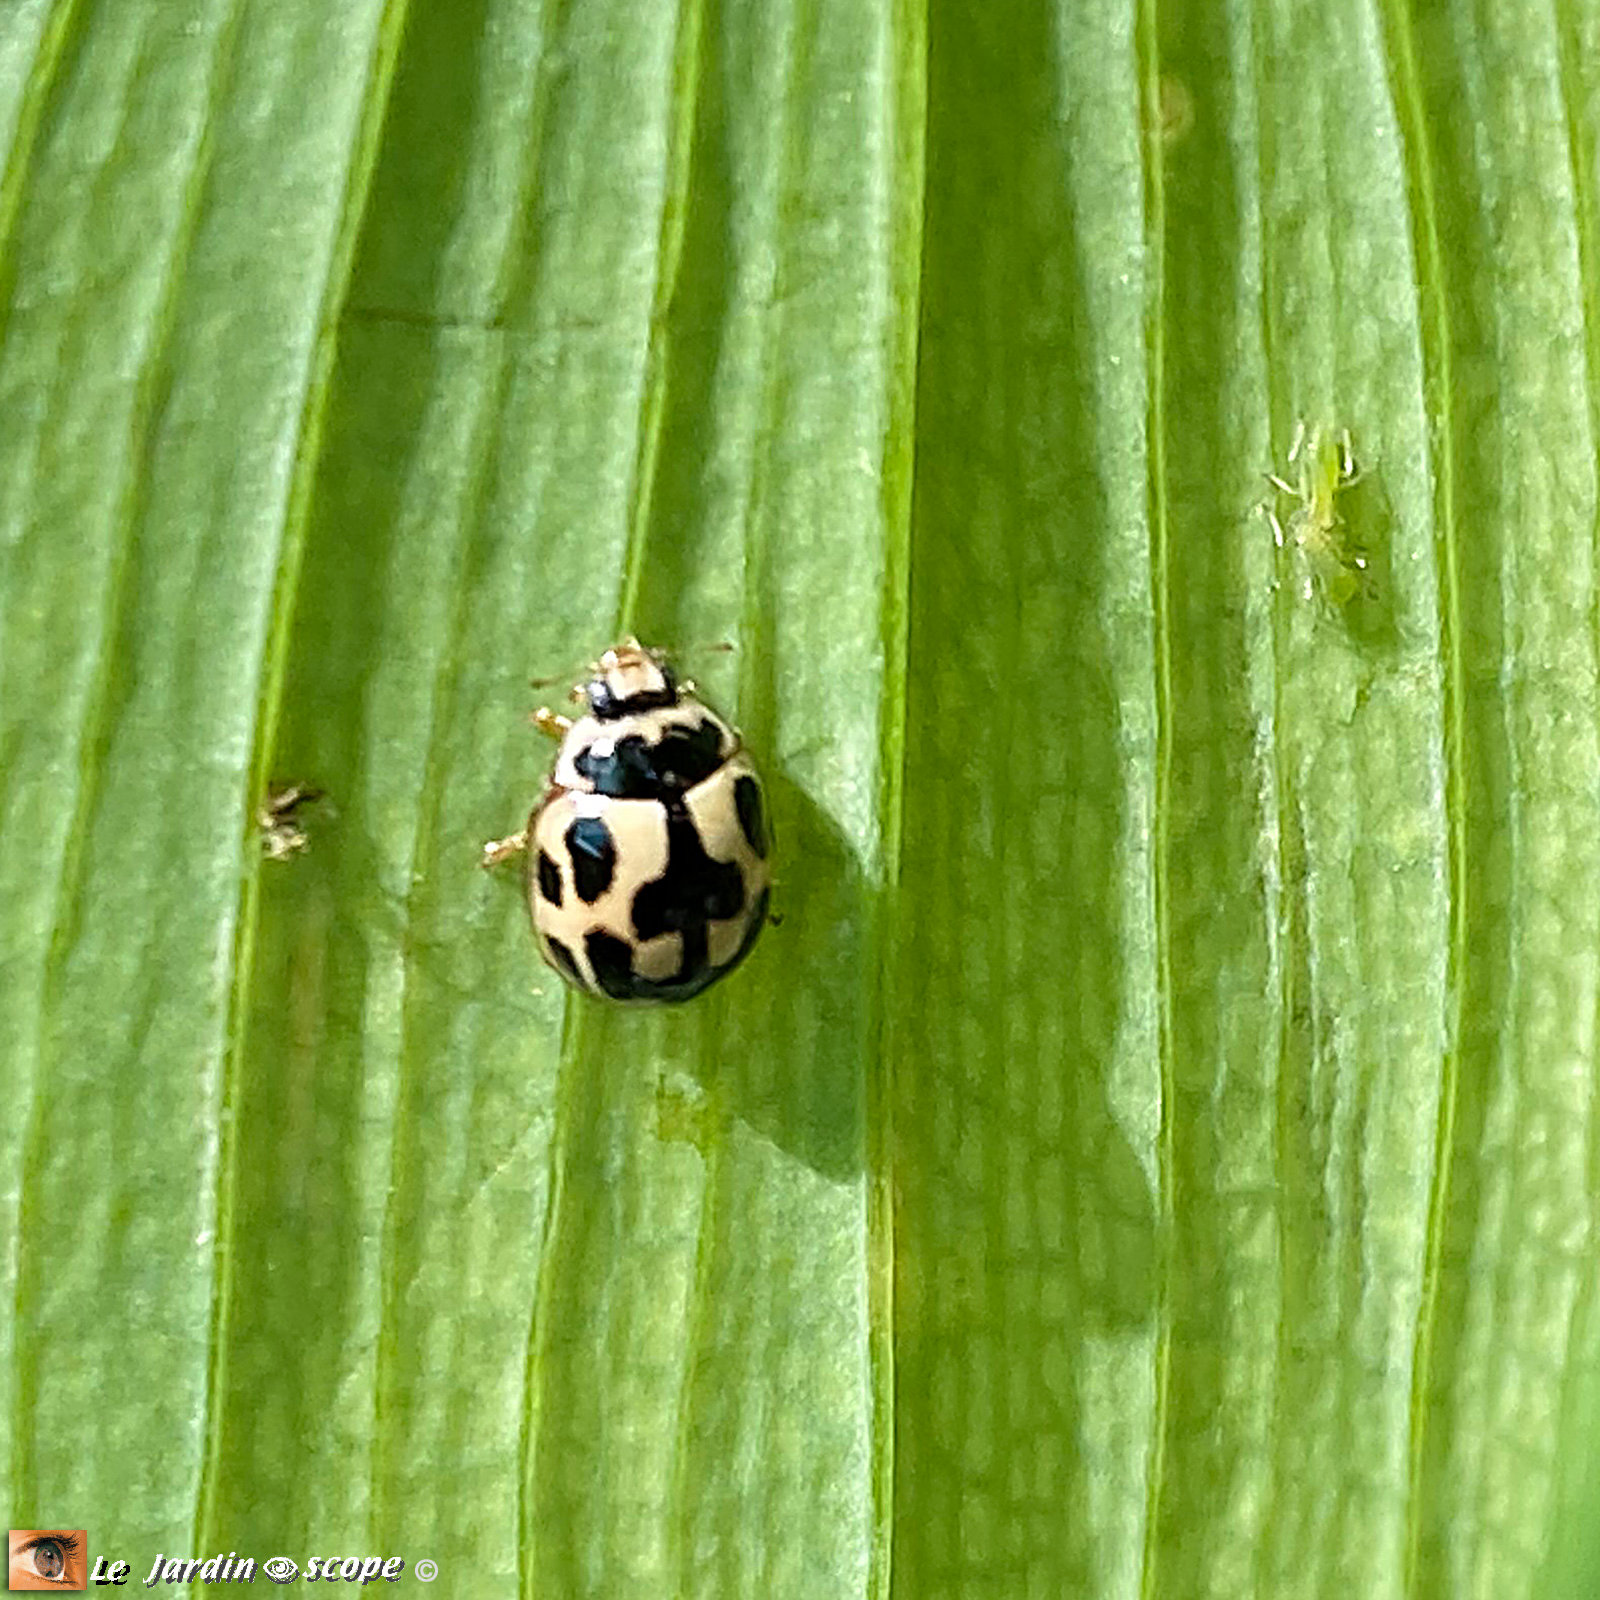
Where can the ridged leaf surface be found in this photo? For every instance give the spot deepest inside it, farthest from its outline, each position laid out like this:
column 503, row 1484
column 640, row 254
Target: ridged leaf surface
column 1155, row 1154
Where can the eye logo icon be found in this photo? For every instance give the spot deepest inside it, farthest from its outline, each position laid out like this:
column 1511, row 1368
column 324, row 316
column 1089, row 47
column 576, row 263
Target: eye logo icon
column 280, row 1569
column 48, row 1558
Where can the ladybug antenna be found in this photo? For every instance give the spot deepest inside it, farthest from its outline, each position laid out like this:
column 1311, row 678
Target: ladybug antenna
column 661, row 652
column 719, row 647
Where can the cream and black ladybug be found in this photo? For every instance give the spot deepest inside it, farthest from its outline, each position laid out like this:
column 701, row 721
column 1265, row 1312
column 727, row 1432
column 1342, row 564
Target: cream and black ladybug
column 646, row 858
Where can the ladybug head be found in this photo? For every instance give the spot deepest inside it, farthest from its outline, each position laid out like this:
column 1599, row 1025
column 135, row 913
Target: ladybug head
column 630, row 678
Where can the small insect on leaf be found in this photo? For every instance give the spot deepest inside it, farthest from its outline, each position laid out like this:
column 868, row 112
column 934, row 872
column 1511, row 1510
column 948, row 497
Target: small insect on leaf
column 282, row 832
column 1322, row 466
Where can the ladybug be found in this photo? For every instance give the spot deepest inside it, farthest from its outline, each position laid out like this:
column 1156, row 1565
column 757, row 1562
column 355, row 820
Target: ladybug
column 646, row 858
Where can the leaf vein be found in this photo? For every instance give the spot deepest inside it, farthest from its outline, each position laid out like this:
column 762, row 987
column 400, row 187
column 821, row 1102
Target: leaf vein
column 1155, row 226
column 291, row 551
column 1434, row 319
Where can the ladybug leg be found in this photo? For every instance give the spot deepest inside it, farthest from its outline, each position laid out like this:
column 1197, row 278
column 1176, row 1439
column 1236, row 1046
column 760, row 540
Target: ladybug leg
column 551, row 723
column 499, row 851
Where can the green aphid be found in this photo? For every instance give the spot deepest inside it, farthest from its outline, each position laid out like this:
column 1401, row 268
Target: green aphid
column 1336, row 568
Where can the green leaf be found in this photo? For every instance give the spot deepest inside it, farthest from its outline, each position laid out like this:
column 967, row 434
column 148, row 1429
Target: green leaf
column 1156, row 1152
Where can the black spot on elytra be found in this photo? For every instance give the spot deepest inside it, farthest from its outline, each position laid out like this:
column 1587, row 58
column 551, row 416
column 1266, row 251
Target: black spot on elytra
column 612, row 961
column 594, row 857
column 752, row 816
column 564, row 960
column 693, row 891
column 549, row 879
column 690, row 981
column 635, row 769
